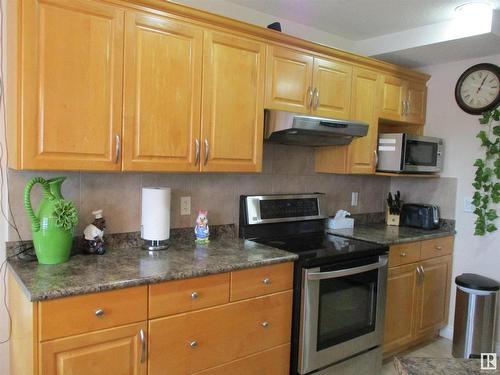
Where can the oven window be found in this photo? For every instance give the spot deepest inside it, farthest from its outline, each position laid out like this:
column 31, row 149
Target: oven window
column 347, row 308
column 421, row 153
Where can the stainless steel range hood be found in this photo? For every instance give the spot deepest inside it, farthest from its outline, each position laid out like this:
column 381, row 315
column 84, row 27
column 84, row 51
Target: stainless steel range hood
column 298, row 129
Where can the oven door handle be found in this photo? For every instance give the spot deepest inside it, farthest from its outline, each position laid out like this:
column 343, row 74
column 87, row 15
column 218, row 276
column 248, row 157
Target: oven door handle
column 350, row 271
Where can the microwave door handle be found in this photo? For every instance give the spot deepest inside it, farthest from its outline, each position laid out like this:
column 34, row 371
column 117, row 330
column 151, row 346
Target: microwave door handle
column 350, row 271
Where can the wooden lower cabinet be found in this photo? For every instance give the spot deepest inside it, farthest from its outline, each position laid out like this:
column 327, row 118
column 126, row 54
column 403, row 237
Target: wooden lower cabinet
column 274, row 361
column 418, row 294
column 191, row 342
column 117, row 351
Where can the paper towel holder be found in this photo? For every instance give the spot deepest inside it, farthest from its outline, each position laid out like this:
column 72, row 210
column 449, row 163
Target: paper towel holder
column 155, row 245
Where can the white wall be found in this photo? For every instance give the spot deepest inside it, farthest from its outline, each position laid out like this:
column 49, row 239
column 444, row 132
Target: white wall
column 445, row 119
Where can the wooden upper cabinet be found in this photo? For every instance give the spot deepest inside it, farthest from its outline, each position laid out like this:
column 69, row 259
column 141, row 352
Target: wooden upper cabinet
column 362, row 151
column 392, row 98
column 162, row 94
column 403, row 101
column 71, row 85
column 289, row 80
column 332, row 88
column 399, row 307
column 233, row 103
column 112, row 351
column 417, row 100
column 433, row 297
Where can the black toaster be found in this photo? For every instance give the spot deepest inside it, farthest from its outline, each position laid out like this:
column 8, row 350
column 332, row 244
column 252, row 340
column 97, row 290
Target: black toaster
column 425, row 216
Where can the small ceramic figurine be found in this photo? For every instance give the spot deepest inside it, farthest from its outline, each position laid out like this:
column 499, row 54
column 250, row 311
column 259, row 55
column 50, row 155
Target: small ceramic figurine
column 201, row 229
column 94, row 235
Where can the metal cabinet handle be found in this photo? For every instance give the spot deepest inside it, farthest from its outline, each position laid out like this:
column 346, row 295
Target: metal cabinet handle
column 407, row 107
column 310, row 96
column 419, row 274
column 316, row 98
column 117, row 148
column 266, row 281
column 376, row 158
column 193, row 344
column 143, row 346
column 423, row 272
column 403, row 254
column 207, row 151
column 403, row 107
column 99, row 313
column 197, row 151
column 265, row 324
column 439, row 247
column 194, row 295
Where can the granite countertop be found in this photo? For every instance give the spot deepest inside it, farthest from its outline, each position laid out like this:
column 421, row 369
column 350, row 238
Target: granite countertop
column 442, row 366
column 389, row 235
column 132, row 266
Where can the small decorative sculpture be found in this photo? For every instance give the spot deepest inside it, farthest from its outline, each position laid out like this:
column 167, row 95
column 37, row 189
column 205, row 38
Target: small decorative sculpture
column 94, row 235
column 201, row 229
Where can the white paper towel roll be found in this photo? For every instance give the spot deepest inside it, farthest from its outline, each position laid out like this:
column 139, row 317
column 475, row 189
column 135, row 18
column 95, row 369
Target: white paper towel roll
column 155, row 215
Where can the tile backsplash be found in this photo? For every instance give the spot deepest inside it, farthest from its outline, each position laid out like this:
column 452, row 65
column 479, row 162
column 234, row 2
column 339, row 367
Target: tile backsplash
column 286, row 169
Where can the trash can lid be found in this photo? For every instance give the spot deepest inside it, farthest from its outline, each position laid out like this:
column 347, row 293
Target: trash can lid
column 473, row 281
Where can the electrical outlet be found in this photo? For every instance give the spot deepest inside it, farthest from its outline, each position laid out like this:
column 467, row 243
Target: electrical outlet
column 354, row 198
column 468, row 206
column 185, row 206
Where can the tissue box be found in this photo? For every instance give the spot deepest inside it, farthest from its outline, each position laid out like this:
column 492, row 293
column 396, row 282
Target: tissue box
column 342, row 223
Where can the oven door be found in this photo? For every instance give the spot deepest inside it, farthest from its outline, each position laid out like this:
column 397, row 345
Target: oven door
column 422, row 154
column 342, row 311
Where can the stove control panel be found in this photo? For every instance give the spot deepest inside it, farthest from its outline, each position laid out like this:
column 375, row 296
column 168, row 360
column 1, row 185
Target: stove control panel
column 262, row 209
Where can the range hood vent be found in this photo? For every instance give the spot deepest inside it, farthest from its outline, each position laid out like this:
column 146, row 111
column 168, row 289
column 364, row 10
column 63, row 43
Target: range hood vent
column 298, row 129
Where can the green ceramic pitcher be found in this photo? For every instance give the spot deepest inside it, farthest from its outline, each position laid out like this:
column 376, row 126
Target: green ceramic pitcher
column 53, row 223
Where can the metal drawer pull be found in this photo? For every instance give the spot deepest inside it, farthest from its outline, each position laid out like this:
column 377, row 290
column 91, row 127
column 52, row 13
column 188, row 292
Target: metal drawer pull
column 310, row 94
column 266, row 281
column 194, row 295
column 143, row 346
column 193, row 344
column 347, row 272
column 207, row 151
column 419, row 273
column 99, row 313
column 439, row 247
column 423, row 272
column 265, row 324
column 196, row 151
column 117, row 148
column 403, row 254
column 316, row 98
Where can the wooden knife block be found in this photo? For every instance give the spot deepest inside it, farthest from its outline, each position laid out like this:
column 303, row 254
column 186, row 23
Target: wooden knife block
column 391, row 219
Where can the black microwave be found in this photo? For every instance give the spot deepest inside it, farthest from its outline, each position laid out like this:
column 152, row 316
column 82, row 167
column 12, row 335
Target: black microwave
column 408, row 153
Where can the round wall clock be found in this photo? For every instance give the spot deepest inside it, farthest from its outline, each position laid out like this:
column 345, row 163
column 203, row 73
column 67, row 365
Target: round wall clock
column 478, row 88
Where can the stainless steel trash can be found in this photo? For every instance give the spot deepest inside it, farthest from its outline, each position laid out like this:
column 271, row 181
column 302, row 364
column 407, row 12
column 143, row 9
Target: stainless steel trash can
column 475, row 316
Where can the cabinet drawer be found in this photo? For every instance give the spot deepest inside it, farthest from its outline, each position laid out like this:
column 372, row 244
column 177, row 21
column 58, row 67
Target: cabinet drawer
column 199, row 340
column 404, row 253
column 437, row 247
column 275, row 361
column 261, row 280
column 91, row 312
column 178, row 296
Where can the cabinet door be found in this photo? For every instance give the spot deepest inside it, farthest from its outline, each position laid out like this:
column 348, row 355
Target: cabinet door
column 117, row 351
column 195, row 341
column 364, row 108
column 392, row 96
column 417, row 97
column 162, row 94
column 399, row 310
column 72, row 85
column 289, row 80
column 433, row 295
column 332, row 88
column 233, row 112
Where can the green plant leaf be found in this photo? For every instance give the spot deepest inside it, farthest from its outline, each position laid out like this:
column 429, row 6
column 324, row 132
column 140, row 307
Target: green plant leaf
column 479, row 163
column 491, row 228
column 476, row 185
column 491, row 214
column 496, row 130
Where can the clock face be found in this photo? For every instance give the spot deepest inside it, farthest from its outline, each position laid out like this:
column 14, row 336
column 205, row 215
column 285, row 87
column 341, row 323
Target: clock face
column 478, row 88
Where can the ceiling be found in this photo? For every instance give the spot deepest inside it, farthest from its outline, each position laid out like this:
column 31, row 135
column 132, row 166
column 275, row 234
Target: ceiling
column 359, row 19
